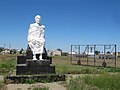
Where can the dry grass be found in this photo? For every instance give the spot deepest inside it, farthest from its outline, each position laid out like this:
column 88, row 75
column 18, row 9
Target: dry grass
column 7, row 57
column 98, row 62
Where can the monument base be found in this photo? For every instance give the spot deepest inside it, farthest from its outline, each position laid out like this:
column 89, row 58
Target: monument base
column 35, row 67
column 28, row 70
column 23, row 69
column 36, row 78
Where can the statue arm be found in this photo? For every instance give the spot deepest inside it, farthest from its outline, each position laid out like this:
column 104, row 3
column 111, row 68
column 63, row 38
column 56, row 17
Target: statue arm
column 43, row 31
column 29, row 32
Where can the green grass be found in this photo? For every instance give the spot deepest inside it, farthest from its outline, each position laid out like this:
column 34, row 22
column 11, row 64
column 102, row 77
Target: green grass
column 76, row 69
column 7, row 66
column 104, row 82
column 62, row 65
column 96, row 82
column 79, row 69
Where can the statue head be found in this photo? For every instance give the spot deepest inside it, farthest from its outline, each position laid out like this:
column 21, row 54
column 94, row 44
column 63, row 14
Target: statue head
column 38, row 19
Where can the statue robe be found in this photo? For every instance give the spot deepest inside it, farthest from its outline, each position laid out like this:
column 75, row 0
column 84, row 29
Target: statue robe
column 36, row 40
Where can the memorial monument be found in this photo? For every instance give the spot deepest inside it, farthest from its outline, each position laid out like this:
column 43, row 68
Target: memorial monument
column 36, row 60
column 35, row 64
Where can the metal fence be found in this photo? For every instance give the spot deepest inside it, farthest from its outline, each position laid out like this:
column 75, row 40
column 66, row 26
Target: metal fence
column 95, row 55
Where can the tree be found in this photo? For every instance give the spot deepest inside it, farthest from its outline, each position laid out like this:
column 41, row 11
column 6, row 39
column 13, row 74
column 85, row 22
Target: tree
column 21, row 51
column 108, row 52
column 59, row 49
column 13, row 51
column 64, row 54
column 1, row 49
column 97, row 52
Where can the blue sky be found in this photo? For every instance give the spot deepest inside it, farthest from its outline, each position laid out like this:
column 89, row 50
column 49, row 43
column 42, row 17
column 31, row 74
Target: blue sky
column 67, row 22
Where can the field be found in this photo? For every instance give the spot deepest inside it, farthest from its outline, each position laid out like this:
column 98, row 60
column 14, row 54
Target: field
column 78, row 77
column 96, row 61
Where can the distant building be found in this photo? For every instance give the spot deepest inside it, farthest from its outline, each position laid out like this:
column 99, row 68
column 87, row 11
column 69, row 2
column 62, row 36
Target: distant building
column 117, row 54
column 57, row 53
column 73, row 53
column 6, row 51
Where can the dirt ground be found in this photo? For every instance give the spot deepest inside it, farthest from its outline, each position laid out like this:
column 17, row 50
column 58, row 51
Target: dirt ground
column 1, row 78
column 52, row 86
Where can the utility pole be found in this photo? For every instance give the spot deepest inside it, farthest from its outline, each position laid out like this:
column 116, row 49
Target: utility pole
column 4, row 45
column 9, row 46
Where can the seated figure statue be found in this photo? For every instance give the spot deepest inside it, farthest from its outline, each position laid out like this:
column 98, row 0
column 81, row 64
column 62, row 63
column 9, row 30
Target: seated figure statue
column 36, row 39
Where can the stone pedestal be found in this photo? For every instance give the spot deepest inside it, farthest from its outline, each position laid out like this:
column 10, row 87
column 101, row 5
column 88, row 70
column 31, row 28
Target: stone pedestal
column 30, row 67
column 34, row 70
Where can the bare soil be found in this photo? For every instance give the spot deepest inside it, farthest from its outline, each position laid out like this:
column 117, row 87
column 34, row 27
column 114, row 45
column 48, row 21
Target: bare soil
column 52, row 86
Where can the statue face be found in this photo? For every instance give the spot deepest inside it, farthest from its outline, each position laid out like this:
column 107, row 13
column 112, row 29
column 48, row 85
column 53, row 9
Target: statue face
column 38, row 19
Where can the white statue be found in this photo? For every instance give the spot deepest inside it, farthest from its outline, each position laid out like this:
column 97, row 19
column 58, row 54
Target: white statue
column 36, row 40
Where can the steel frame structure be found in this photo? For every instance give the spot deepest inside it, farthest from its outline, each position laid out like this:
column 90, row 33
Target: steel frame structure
column 94, row 52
